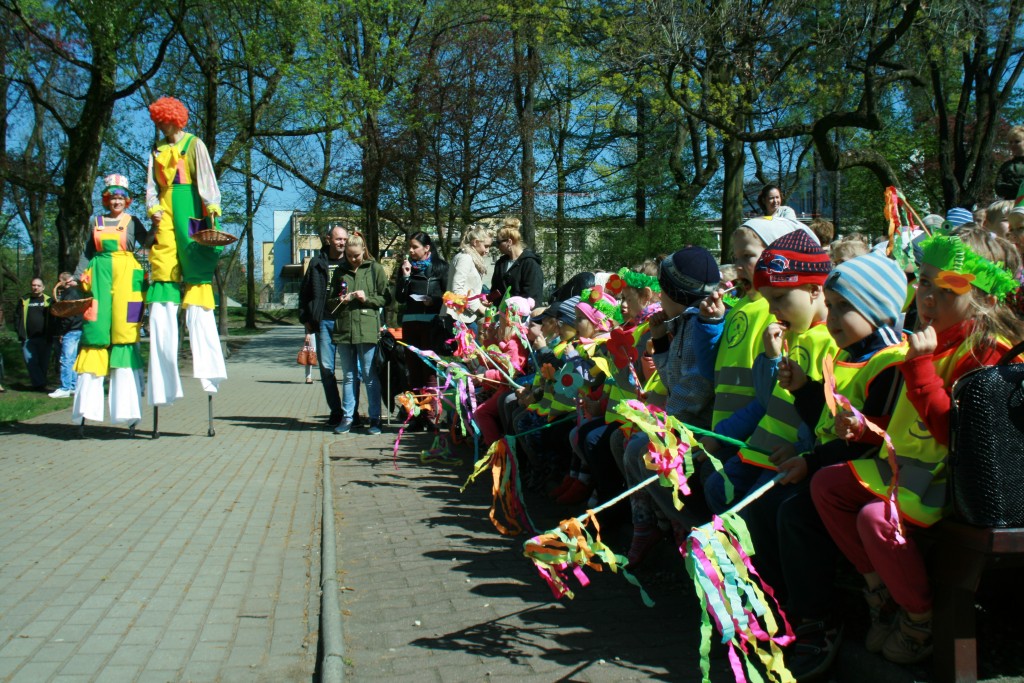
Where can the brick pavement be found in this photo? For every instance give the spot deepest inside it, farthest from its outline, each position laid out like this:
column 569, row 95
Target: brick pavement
column 431, row 592
column 187, row 558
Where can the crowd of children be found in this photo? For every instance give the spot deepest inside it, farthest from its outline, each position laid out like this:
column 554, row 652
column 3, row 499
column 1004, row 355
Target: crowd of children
column 811, row 362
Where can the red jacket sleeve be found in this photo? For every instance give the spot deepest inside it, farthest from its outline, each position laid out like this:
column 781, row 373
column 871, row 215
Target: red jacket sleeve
column 930, row 397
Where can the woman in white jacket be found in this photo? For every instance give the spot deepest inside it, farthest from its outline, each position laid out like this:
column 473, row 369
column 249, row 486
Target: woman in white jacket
column 466, row 276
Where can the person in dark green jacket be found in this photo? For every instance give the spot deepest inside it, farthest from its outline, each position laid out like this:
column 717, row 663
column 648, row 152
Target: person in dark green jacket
column 357, row 295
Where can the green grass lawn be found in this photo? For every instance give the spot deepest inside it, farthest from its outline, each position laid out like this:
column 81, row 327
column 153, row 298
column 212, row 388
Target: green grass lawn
column 19, row 402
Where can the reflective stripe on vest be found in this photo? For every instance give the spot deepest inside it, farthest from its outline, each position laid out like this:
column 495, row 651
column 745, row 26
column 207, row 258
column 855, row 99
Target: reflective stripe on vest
column 781, row 421
column 922, row 459
column 853, row 381
column 738, row 346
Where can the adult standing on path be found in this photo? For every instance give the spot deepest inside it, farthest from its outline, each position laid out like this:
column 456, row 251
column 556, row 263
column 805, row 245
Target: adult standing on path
column 69, row 333
column 358, row 287
column 109, row 271
column 316, row 285
column 182, row 197
column 465, row 276
column 518, row 272
column 35, row 332
column 422, row 279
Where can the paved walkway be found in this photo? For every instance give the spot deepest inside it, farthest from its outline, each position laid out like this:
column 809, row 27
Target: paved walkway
column 431, row 592
column 187, row 558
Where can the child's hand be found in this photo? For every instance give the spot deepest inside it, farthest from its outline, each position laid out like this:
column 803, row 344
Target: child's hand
column 795, row 469
column 782, row 454
column 713, row 306
column 709, row 445
column 773, row 337
column 656, row 324
column 848, row 426
column 923, row 342
column 791, row 376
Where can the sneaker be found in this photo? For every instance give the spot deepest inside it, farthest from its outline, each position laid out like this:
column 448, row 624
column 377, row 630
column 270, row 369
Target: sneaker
column 883, row 613
column 374, row 427
column 59, row 393
column 344, row 427
column 817, row 644
column 309, row 380
column 910, row 642
column 358, row 421
column 334, row 420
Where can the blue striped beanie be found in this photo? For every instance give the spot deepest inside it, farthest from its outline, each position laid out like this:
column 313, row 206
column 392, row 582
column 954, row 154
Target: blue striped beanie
column 874, row 285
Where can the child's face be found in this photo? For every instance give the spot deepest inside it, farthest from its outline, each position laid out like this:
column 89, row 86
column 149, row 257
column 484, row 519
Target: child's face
column 746, row 248
column 1016, row 141
column 631, row 303
column 846, row 324
column 584, row 327
column 671, row 307
column 565, row 331
column 796, row 307
column 942, row 308
column 549, row 327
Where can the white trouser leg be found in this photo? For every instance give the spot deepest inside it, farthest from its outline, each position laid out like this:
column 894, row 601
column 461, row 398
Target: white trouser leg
column 88, row 399
column 164, row 380
column 125, row 396
column 207, row 357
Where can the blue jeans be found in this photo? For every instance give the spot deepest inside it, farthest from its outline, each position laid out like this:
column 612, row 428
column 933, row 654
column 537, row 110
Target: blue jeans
column 37, row 358
column 68, row 354
column 356, row 366
column 325, row 354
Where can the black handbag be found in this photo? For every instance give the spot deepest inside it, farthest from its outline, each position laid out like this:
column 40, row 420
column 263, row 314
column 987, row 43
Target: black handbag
column 986, row 447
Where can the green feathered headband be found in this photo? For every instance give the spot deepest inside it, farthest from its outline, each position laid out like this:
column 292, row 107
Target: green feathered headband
column 960, row 268
column 630, row 278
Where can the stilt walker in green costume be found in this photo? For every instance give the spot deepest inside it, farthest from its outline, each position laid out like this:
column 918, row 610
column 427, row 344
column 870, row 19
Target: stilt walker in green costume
column 182, row 197
column 109, row 271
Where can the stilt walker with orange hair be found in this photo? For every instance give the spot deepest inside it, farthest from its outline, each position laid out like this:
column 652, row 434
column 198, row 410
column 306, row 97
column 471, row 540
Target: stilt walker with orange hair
column 182, row 198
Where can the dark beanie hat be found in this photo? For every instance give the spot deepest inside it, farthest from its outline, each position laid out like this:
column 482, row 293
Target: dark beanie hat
column 690, row 273
column 792, row 260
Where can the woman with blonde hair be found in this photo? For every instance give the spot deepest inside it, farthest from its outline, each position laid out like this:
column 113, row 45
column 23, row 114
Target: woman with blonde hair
column 466, row 274
column 518, row 271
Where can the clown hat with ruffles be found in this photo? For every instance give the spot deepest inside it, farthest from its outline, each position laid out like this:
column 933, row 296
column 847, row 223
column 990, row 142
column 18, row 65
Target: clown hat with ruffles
column 116, row 185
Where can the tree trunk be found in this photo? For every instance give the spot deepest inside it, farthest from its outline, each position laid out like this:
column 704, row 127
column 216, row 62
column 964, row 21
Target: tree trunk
column 733, row 166
column 250, row 248
column 74, row 206
column 561, row 187
column 371, row 176
column 640, row 193
column 526, row 67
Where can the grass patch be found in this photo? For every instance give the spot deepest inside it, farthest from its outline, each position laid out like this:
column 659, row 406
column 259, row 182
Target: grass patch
column 19, row 402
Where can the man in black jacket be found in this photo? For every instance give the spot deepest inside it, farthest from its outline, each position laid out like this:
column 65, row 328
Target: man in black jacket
column 34, row 333
column 315, row 313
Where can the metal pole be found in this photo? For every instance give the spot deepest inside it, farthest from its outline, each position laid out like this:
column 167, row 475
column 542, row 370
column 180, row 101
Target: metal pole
column 209, row 404
column 156, row 422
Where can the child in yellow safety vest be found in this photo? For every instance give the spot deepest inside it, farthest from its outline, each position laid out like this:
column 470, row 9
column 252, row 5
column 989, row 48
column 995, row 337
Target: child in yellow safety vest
column 963, row 323
column 864, row 297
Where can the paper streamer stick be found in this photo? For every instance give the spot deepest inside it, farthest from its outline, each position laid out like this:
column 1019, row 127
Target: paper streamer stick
column 733, row 596
column 834, row 400
column 506, row 488
column 571, row 548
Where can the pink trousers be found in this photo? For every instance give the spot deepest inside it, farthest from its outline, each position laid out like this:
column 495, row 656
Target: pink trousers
column 856, row 520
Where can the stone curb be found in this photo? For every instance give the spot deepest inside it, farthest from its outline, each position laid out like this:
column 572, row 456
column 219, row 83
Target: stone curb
column 332, row 665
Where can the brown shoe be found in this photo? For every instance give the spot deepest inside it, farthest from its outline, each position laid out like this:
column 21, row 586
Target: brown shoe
column 910, row 643
column 883, row 618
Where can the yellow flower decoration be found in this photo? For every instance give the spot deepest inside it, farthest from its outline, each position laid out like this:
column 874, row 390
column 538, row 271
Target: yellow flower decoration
column 959, row 283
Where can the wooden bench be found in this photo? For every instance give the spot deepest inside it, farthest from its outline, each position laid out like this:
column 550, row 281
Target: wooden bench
column 959, row 554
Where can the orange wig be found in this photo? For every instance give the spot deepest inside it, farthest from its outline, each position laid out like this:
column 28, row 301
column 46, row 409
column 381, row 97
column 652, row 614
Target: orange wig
column 169, row 110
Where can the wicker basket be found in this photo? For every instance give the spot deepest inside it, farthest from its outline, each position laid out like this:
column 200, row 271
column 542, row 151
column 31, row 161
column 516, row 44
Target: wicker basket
column 214, row 238
column 68, row 307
